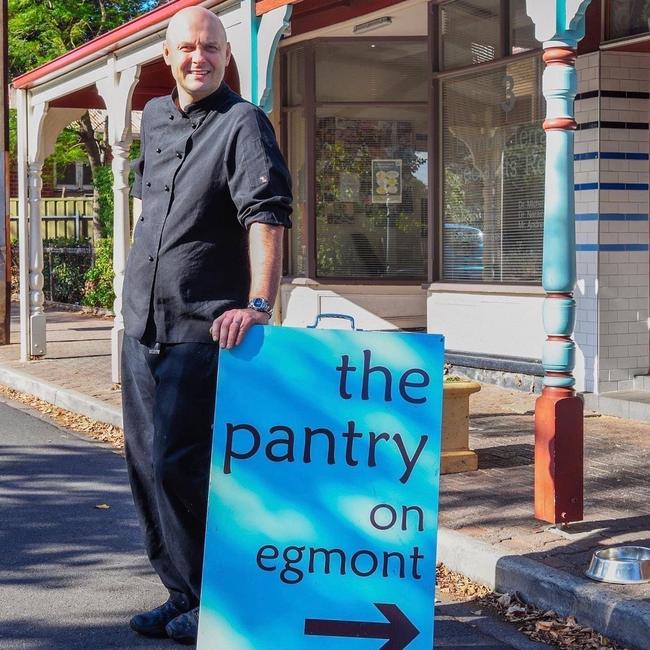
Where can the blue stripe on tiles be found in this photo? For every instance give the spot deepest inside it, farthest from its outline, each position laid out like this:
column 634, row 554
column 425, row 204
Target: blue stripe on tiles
column 612, row 248
column 624, row 247
column 587, row 95
column 610, row 216
column 611, row 186
column 607, row 124
column 614, row 216
column 612, row 155
column 618, row 94
column 620, row 155
column 624, row 186
column 627, row 94
column 591, row 155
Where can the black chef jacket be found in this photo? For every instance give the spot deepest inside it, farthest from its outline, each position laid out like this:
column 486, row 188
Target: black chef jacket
column 204, row 176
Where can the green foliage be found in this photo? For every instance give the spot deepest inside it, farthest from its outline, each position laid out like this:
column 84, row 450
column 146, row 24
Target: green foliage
column 65, row 264
column 458, row 207
column 98, row 290
column 103, row 183
column 13, row 133
column 40, row 30
column 348, row 152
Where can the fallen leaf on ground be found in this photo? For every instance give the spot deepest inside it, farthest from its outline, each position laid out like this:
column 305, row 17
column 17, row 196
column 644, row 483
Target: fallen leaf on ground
column 101, row 431
column 540, row 625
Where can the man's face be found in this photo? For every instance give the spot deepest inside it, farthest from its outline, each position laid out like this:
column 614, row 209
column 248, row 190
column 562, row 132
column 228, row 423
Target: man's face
column 197, row 53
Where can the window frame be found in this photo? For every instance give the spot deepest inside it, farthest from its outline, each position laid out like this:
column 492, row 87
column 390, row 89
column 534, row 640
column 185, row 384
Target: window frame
column 310, row 107
column 436, row 181
column 79, row 176
column 434, row 262
column 606, row 36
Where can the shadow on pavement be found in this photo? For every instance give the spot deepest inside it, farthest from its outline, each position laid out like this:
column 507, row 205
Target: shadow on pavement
column 71, row 574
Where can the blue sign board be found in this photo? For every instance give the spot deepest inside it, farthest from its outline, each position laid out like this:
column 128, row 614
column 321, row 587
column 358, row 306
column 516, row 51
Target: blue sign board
column 323, row 506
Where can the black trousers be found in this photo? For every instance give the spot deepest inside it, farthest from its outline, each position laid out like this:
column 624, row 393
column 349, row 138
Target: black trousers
column 168, row 405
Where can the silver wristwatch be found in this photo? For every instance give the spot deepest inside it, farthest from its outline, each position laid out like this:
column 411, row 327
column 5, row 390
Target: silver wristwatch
column 261, row 304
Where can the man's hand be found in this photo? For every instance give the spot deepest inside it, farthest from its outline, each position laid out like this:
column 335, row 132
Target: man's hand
column 231, row 327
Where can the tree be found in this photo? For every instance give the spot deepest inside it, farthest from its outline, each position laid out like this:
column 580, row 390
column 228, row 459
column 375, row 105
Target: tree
column 41, row 30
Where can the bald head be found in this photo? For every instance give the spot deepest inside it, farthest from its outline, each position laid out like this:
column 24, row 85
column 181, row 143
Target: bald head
column 197, row 51
column 191, row 16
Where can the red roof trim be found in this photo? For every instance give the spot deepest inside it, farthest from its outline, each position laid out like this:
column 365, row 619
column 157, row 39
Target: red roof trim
column 106, row 42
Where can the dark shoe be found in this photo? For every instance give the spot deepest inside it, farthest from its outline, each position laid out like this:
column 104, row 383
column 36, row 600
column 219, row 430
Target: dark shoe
column 153, row 623
column 184, row 628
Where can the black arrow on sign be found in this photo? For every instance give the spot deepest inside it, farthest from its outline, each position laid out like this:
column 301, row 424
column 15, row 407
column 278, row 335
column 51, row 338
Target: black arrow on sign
column 399, row 630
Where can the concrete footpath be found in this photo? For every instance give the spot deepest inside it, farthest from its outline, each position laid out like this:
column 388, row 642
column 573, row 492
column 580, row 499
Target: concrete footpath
column 487, row 529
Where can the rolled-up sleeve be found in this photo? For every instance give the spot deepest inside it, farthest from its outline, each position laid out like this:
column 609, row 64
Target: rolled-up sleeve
column 258, row 177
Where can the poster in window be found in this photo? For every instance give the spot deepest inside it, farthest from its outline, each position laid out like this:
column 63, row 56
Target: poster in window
column 387, row 181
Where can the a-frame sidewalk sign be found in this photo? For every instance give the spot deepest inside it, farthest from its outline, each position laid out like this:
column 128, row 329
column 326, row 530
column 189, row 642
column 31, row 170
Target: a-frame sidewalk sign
column 323, row 505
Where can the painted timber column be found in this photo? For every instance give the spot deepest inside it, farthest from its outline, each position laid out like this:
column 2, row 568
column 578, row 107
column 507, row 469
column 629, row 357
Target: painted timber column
column 121, row 244
column 36, row 297
column 23, row 220
column 559, row 411
column 254, row 44
column 117, row 92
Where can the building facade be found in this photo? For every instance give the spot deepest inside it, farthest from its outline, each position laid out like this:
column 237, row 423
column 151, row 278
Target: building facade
column 414, row 132
column 414, row 135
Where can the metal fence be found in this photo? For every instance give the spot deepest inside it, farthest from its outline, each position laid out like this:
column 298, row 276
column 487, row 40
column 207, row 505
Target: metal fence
column 61, row 218
column 64, row 269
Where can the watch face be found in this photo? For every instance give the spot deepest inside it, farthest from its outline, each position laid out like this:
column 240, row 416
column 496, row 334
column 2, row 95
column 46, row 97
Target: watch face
column 261, row 304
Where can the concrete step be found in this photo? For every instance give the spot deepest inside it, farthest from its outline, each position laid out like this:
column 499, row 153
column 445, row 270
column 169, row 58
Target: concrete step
column 633, row 404
column 642, row 382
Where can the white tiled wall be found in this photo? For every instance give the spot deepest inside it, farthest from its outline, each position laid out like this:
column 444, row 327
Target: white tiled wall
column 587, row 203
column 613, row 278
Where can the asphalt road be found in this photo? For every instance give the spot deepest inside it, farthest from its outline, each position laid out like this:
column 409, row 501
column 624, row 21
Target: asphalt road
column 72, row 574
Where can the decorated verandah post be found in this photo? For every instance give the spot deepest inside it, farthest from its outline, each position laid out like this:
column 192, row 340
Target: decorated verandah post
column 559, row 25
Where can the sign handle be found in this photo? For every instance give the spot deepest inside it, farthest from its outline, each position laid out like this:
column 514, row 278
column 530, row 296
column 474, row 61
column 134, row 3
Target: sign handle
column 319, row 317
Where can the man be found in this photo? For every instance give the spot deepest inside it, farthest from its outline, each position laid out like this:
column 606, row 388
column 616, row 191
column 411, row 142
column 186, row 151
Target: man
column 204, row 267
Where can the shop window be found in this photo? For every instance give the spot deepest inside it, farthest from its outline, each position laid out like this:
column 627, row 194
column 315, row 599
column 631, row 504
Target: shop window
column 628, row 18
column 522, row 29
column 371, row 192
column 478, row 31
column 294, row 74
column 470, row 32
column 368, row 71
column 296, row 159
column 493, row 155
column 357, row 150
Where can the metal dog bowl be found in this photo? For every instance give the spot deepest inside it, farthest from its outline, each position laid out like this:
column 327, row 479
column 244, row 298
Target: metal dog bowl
column 623, row 565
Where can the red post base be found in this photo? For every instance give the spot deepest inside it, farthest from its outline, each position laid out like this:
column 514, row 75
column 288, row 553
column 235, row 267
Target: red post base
column 559, row 472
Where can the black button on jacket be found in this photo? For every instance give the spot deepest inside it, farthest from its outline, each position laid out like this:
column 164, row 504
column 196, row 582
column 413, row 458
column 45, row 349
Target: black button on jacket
column 204, row 176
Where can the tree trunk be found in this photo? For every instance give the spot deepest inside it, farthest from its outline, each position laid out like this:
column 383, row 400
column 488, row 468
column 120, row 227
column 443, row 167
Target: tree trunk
column 87, row 137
